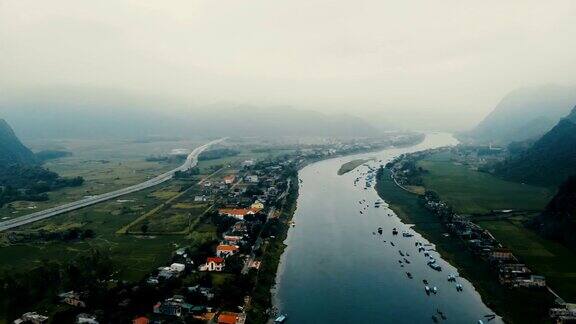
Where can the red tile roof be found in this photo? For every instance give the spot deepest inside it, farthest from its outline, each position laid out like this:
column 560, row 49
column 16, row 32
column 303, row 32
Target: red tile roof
column 140, row 320
column 226, row 247
column 238, row 211
column 215, row 260
column 229, row 318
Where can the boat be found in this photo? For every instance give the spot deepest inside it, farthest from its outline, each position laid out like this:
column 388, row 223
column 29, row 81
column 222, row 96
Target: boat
column 407, row 234
column 434, row 266
column 392, row 243
column 427, row 289
column 451, row 278
column 425, row 281
column 442, row 316
column 401, row 254
column 435, row 290
column 409, row 275
column 434, row 319
column 459, row 287
column 490, row 317
column 394, row 231
column 406, row 261
column 280, row 319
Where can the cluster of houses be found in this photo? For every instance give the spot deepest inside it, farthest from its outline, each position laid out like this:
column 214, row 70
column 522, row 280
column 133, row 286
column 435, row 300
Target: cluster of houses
column 481, row 242
column 177, row 306
column 70, row 298
column 182, row 263
column 239, row 202
column 477, row 157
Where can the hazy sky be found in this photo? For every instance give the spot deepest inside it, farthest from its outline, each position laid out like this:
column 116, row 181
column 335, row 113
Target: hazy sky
column 426, row 60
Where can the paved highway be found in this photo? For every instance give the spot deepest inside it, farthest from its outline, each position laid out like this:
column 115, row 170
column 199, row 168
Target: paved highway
column 190, row 162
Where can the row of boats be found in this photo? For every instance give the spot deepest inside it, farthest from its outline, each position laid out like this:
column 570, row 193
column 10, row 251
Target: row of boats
column 426, row 249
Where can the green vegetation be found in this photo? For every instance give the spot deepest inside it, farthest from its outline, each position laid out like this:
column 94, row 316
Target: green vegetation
column 133, row 256
column 558, row 221
column 21, row 177
column 349, row 166
column 516, row 306
column 104, row 165
column 473, row 192
column 20, row 290
column 218, row 153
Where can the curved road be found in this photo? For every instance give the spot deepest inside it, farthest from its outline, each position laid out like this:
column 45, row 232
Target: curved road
column 190, row 162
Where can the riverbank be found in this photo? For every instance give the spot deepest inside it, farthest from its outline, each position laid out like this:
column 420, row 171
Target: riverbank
column 515, row 306
column 261, row 298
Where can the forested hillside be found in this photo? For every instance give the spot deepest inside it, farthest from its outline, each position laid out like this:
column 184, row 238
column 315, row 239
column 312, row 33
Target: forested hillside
column 21, row 176
column 549, row 161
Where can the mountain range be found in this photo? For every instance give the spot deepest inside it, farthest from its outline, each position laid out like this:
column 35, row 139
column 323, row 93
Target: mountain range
column 89, row 113
column 523, row 114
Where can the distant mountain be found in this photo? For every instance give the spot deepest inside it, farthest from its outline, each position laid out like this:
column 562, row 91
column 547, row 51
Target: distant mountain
column 12, row 151
column 523, row 114
column 549, row 161
column 558, row 221
column 89, row 113
column 21, row 176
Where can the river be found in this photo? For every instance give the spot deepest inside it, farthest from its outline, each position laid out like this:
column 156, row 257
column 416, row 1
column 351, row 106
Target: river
column 335, row 270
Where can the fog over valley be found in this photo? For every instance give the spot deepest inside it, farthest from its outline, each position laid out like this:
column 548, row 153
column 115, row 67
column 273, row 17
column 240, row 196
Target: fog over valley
column 409, row 65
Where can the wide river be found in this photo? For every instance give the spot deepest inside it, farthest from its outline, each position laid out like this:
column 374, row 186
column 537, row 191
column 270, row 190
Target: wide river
column 335, row 270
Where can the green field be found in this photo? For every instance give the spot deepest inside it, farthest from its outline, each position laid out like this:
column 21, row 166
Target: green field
column 135, row 256
column 516, row 306
column 105, row 166
column 473, row 192
column 544, row 257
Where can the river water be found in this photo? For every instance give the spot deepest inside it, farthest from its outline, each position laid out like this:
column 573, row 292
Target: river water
column 335, row 270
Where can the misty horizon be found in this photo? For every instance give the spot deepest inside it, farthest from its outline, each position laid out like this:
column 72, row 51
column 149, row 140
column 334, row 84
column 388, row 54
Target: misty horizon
column 441, row 66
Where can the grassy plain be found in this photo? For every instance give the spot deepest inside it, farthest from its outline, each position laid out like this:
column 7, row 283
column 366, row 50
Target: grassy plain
column 105, row 166
column 134, row 256
column 473, row 192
